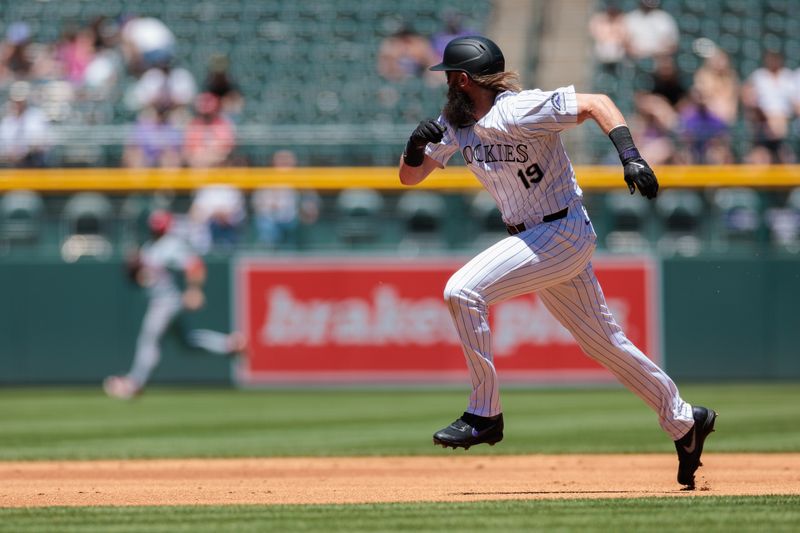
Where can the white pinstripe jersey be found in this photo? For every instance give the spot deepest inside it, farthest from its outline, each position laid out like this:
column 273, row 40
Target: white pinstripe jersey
column 517, row 154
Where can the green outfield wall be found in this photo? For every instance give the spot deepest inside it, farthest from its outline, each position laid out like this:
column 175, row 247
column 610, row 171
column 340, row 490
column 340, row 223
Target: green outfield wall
column 77, row 323
column 728, row 318
column 723, row 318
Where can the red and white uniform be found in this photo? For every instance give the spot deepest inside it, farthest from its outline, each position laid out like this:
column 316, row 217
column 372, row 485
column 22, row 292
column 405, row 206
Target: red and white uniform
column 164, row 262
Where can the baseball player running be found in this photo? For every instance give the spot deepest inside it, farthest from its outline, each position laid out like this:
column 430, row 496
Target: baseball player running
column 509, row 139
column 156, row 267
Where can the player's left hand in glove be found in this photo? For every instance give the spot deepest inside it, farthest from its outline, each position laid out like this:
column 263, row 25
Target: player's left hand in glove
column 638, row 174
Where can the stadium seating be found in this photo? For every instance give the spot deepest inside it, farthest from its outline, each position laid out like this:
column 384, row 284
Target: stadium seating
column 680, row 212
column 422, row 215
column 784, row 223
column 87, row 227
column 313, row 65
column 737, row 217
column 628, row 222
column 296, row 63
column 484, row 210
column 21, row 218
column 358, row 215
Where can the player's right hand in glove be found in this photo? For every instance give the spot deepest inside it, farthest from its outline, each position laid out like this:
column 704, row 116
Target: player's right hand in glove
column 428, row 131
column 639, row 174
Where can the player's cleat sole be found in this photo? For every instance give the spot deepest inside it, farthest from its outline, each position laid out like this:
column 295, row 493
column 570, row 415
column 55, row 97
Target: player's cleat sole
column 690, row 446
column 470, row 430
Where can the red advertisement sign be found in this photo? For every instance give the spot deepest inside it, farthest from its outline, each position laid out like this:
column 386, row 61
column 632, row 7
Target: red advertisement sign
column 371, row 320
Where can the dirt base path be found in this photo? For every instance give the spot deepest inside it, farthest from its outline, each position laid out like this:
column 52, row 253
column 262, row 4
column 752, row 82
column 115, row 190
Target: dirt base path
column 338, row 480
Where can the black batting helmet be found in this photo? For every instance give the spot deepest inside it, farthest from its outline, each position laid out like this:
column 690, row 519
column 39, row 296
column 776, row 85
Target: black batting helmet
column 474, row 55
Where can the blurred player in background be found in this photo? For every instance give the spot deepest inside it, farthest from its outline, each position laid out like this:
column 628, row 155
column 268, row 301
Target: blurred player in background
column 510, row 139
column 157, row 267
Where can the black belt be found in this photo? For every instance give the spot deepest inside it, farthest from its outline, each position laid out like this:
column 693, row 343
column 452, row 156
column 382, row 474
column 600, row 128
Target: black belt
column 519, row 228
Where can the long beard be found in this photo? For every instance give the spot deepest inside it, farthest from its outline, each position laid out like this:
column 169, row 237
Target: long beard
column 458, row 110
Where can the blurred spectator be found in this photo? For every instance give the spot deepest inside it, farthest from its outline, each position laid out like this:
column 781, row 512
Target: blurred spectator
column 610, row 33
column 652, row 126
column 284, row 159
column 651, row 31
column 155, row 142
column 705, row 135
column 716, row 84
column 404, row 55
column 23, row 130
column 57, row 99
column 210, row 137
column 770, row 98
column 16, row 62
column 220, row 83
column 146, row 43
column 164, row 85
column 276, row 211
column 279, row 211
column 217, row 215
column 75, row 52
column 667, row 82
column 453, row 28
column 103, row 71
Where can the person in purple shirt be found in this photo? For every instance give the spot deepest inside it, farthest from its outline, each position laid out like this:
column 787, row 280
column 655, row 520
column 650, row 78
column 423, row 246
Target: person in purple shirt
column 155, row 140
column 701, row 130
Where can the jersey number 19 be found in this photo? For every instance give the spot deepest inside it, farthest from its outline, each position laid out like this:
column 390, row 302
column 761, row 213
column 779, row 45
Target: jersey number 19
column 532, row 174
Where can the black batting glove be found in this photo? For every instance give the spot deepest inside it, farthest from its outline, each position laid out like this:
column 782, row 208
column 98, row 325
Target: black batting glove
column 638, row 173
column 428, row 131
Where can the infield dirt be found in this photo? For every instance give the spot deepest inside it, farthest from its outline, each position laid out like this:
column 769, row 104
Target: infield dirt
column 347, row 480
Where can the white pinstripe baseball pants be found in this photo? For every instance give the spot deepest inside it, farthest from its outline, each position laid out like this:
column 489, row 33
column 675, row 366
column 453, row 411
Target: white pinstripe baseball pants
column 554, row 260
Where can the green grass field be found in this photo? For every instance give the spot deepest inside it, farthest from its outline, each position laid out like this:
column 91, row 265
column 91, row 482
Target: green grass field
column 762, row 514
column 84, row 424
column 81, row 423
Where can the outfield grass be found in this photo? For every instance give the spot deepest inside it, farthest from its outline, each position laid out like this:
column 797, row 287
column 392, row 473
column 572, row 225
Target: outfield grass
column 773, row 514
column 84, row 424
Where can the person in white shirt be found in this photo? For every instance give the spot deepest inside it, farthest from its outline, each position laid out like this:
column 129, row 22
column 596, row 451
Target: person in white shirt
column 651, row 31
column 24, row 138
column 770, row 95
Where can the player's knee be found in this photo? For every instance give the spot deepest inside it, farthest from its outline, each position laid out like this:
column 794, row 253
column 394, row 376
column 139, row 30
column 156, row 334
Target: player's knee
column 457, row 294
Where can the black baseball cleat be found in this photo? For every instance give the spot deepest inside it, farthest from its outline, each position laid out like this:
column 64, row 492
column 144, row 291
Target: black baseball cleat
column 690, row 446
column 470, row 430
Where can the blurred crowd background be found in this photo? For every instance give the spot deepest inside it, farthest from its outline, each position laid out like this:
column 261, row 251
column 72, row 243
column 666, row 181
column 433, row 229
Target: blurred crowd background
column 250, row 83
column 709, row 84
